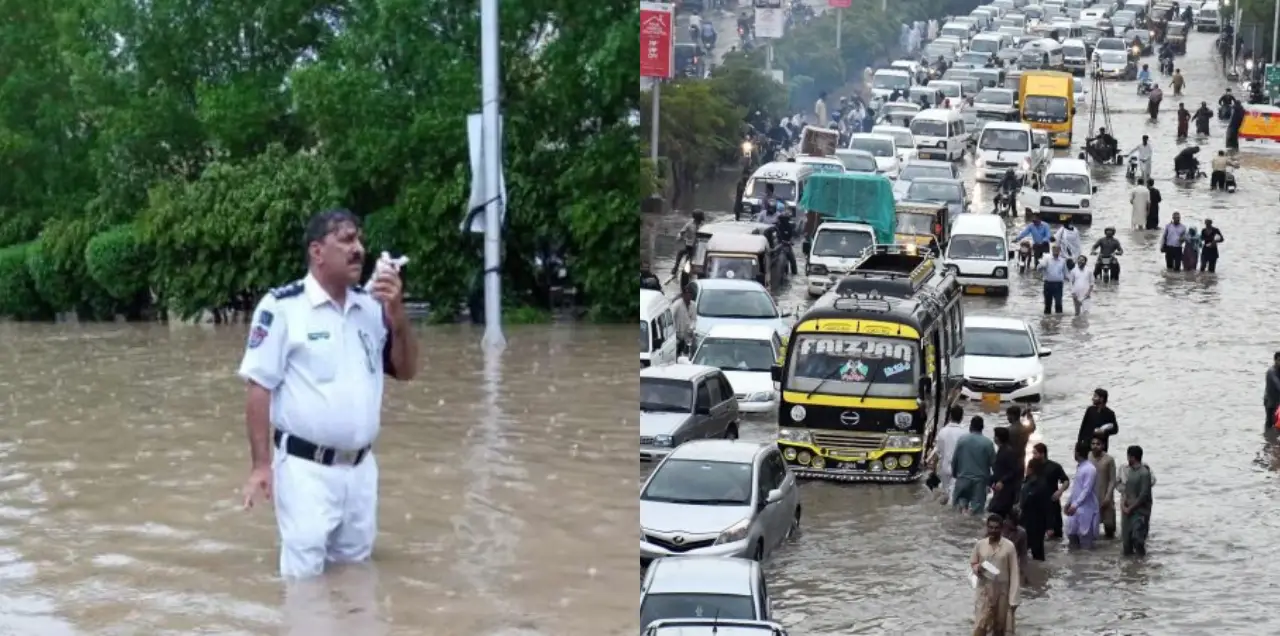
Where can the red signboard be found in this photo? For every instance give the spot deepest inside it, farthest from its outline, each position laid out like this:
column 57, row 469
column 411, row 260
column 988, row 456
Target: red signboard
column 839, row 4
column 657, row 40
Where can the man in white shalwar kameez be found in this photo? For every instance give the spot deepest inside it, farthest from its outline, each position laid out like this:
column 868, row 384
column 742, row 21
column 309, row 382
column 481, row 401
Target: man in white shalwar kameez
column 1139, row 200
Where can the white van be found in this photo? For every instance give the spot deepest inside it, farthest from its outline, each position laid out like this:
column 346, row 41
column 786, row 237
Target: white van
column 991, row 43
column 1067, row 191
column 1075, row 56
column 1003, row 145
column 1209, row 18
column 887, row 80
column 657, row 330
column 836, row 246
column 1043, row 54
column 953, row 95
column 978, row 253
column 786, row 177
column 940, row 134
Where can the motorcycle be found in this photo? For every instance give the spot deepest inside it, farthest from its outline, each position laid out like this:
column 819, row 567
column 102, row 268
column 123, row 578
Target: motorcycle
column 1107, row 266
column 1131, row 167
column 1224, row 112
column 1144, row 87
column 1166, row 66
column 1006, row 203
column 1024, row 256
column 1229, row 182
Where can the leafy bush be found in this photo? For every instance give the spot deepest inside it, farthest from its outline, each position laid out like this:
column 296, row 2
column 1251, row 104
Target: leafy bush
column 18, row 295
column 119, row 261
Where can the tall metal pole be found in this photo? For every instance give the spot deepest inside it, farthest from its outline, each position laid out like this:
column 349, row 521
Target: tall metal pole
column 490, row 90
column 1235, row 37
column 1275, row 29
column 768, row 59
column 839, row 25
column 653, row 128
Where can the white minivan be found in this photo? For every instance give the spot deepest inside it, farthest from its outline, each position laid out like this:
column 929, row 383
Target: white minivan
column 836, row 246
column 978, row 253
column 1066, row 192
column 657, row 330
column 1208, row 18
column 1005, row 145
column 940, row 134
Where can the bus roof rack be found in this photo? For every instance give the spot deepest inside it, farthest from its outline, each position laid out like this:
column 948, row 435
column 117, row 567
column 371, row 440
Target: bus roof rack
column 897, row 271
column 871, row 301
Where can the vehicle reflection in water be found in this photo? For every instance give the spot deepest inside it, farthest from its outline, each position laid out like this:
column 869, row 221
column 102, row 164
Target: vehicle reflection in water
column 1182, row 354
column 123, row 453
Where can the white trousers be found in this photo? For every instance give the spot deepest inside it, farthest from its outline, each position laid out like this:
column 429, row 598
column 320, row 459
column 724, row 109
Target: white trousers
column 324, row 513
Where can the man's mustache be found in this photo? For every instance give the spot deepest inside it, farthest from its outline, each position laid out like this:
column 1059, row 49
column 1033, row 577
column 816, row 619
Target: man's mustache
column 356, row 258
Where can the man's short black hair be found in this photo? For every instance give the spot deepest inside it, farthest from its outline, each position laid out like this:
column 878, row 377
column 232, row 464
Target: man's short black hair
column 1102, row 393
column 975, row 424
column 322, row 224
column 955, row 413
column 1135, row 452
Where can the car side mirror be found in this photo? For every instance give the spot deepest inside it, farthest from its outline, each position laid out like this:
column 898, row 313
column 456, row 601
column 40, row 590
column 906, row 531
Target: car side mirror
column 787, row 313
column 775, row 372
column 773, row 497
column 1095, row 189
column 682, row 360
column 1044, row 353
column 702, row 410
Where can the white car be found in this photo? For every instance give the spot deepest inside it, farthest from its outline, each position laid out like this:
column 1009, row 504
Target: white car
column 727, row 301
column 719, row 498
column 745, row 353
column 923, row 169
column 1092, row 16
column 883, row 148
column 703, row 587
column 1002, row 360
column 713, row 627
column 902, row 138
column 1078, row 90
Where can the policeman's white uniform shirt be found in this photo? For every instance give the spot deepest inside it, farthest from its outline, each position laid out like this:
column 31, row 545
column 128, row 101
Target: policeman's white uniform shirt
column 321, row 362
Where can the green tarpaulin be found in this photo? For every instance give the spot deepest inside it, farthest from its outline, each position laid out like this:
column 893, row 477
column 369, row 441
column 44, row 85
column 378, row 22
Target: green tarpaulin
column 855, row 197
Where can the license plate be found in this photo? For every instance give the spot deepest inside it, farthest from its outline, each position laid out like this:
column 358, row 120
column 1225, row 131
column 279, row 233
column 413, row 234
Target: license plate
column 991, row 399
column 973, row 289
column 1064, row 217
column 856, row 457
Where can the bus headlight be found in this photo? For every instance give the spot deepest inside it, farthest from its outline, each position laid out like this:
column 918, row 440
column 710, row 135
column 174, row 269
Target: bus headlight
column 890, row 463
column 819, row 463
column 789, row 454
column 799, row 436
column 902, row 441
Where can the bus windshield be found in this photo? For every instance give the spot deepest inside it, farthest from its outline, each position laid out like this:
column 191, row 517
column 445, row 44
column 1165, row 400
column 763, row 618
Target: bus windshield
column 853, row 365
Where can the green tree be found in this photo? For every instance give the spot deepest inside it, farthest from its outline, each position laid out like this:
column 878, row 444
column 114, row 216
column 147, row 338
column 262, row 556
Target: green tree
column 697, row 126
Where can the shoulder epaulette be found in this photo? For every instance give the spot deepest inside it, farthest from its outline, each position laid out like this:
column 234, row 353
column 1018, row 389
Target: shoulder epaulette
column 359, row 289
column 288, row 291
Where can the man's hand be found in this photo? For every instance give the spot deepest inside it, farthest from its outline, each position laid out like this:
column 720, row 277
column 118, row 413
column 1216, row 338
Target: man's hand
column 1057, row 495
column 257, row 487
column 1071, row 510
column 388, row 289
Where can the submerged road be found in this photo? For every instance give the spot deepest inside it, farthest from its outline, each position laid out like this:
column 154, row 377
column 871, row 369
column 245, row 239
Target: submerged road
column 1183, row 355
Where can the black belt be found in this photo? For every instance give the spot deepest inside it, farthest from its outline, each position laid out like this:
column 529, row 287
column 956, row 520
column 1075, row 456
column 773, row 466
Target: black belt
column 299, row 447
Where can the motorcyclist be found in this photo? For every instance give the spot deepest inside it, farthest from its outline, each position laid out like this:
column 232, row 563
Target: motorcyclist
column 1008, row 186
column 779, row 134
column 1227, row 101
column 1144, row 75
column 1040, row 235
column 1068, row 238
column 1108, row 247
column 1106, row 144
column 709, row 35
column 689, row 237
column 1202, row 116
column 786, row 233
column 1186, row 162
column 770, row 213
column 1143, row 151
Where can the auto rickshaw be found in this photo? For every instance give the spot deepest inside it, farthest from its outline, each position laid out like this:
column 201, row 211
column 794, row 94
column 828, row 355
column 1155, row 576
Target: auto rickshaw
column 1175, row 38
column 923, row 224
column 745, row 256
column 696, row 267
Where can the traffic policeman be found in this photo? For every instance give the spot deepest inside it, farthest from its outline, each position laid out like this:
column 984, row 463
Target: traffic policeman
column 314, row 363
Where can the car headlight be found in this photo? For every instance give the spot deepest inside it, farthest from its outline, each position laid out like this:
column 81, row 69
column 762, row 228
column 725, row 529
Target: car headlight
column 795, row 435
column 662, row 441
column 1001, row 272
column 952, row 268
column 1035, row 379
column 903, row 441
column 816, row 270
column 760, row 396
column 1046, row 201
column 942, row 144
column 1026, row 164
column 1084, row 203
column 735, row 532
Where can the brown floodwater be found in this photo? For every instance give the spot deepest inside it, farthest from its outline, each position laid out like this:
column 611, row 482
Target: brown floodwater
column 507, row 497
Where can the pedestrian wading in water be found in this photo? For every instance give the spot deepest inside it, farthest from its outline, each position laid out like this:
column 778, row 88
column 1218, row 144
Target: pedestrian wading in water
column 1137, row 504
column 995, row 562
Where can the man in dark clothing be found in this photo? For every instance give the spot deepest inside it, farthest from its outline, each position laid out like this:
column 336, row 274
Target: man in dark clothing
column 1211, row 236
column 1203, row 116
column 1056, row 476
column 1233, row 126
column 1271, row 397
column 1098, row 420
column 1006, row 475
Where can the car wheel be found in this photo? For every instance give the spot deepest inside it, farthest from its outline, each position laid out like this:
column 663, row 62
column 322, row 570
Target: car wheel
column 731, row 433
column 794, row 530
column 758, row 555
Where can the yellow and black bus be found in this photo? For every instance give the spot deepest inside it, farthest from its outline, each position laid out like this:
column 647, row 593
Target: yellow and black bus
column 871, row 370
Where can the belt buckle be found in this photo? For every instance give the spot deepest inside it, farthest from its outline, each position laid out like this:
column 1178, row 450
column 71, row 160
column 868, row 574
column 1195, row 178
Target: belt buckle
column 345, row 457
column 318, row 455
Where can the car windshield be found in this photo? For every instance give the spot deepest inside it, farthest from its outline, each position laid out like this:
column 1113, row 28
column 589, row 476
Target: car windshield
column 901, row 138
column 953, row 31
column 841, row 243
column 929, row 191
column 998, row 343
column 853, row 364
column 733, row 354
column 934, row 51
column 998, row 98
column 739, row 267
column 912, row 223
column 975, row 58
column 1067, row 183
column 1110, row 44
column 1042, row 108
column 918, row 171
column 928, row 128
column 858, row 163
column 663, row 394
column 1074, row 50
column 1113, row 57
column 985, row 45
column 891, row 80
column 1005, row 140
column 644, row 337
column 736, row 303
column 1142, row 35
column 695, row 481
column 784, row 190
column 721, row 606
column 877, row 147
column 950, row 90
column 974, row 247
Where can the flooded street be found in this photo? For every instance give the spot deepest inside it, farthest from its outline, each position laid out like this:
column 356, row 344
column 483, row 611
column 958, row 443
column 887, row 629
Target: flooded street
column 1183, row 356
column 123, row 451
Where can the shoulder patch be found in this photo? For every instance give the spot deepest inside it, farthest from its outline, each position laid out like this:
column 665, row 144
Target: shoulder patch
column 288, row 291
